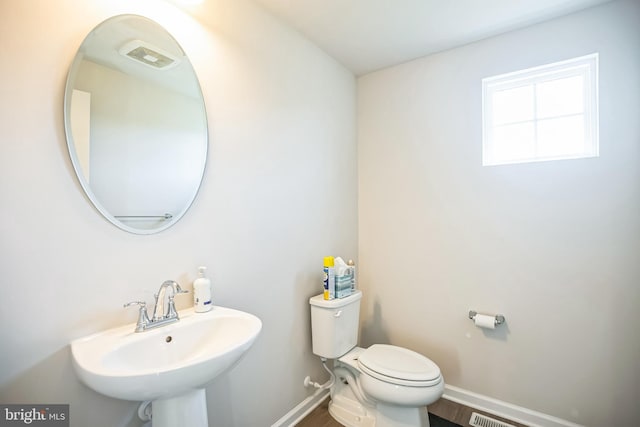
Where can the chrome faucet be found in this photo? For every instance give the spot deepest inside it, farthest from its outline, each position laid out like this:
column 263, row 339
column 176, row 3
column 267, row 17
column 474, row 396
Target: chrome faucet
column 165, row 308
column 164, row 311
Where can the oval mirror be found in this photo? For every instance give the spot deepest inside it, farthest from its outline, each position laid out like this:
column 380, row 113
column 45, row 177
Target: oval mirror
column 136, row 124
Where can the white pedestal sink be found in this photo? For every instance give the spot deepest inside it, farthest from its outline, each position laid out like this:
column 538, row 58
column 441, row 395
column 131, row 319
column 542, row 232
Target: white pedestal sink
column 170, row 365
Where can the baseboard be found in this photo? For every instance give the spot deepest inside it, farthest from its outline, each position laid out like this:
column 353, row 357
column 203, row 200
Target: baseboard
column 483, row 403
column 294, row 416
column 503, row 409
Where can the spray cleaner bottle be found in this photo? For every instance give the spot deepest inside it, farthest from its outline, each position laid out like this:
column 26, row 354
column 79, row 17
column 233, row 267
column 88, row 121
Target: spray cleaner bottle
column 329, row 278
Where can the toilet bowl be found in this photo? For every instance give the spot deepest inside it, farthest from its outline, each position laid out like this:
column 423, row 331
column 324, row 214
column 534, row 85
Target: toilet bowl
column 384, row 386
column 381, row 386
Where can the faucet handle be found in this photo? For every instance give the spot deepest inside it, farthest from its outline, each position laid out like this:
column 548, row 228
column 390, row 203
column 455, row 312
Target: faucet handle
column 143, row 317
column 140, row 303
column 171, row 308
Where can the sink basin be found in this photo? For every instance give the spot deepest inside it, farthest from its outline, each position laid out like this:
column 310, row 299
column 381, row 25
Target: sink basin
column 169, row 361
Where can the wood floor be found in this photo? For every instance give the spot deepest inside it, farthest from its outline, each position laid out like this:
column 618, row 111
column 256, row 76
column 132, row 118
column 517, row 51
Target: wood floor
column 443, row 408
column 319, row 417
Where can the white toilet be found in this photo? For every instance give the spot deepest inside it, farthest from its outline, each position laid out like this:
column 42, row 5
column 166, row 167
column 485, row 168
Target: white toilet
column 381, row 386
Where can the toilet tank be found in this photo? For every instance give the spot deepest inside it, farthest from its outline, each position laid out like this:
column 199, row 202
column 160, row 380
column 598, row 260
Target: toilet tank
column 334, row 324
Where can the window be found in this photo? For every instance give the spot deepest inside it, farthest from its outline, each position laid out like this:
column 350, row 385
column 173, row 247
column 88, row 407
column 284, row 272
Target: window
column 542, row 113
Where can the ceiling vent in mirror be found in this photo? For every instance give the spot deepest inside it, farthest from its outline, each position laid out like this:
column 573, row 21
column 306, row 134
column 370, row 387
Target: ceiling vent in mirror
column 149, row 55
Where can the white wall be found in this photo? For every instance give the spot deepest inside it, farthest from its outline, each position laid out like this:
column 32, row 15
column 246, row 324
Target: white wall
column 553, row 246
column 280, row 111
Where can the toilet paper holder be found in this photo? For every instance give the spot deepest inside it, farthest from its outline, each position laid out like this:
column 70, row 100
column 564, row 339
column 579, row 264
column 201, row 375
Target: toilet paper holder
column 499, row 318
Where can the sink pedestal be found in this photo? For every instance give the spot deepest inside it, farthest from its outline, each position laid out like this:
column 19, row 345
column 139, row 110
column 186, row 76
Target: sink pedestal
column 189, row 409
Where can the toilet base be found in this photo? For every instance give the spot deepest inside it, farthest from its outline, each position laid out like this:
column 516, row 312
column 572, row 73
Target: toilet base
column 398, row 416
column 349, row 412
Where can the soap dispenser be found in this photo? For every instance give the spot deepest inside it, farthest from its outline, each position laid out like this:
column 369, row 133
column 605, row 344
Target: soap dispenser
column 202, row 292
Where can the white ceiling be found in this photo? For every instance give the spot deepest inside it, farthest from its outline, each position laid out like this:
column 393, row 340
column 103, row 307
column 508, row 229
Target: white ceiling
column 367, row 35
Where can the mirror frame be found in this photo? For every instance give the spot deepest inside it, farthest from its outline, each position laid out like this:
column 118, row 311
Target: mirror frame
column 71, row 77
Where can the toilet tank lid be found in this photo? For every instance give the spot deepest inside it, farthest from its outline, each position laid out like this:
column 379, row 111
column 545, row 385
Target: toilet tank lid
column 399, row 362
column 319, row 300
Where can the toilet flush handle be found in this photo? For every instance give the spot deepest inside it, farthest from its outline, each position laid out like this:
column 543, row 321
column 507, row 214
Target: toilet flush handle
column 337, row 313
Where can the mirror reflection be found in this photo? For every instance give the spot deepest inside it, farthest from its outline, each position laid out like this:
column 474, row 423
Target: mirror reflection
column 136, row 124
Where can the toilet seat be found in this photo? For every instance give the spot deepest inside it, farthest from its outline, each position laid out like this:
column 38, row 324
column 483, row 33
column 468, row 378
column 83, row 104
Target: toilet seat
column 398, row 365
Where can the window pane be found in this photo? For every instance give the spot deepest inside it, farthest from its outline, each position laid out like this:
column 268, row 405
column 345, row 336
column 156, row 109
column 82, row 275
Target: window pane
column 546, row 112
column 513, row 142
column 512, row 105
column 560, row 97
column 561, row 137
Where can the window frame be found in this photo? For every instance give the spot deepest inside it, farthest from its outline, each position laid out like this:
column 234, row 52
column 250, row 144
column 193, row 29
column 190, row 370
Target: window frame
column 585, row 66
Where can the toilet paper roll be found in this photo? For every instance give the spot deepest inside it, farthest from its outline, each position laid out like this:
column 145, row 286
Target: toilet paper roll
column 485, row 321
